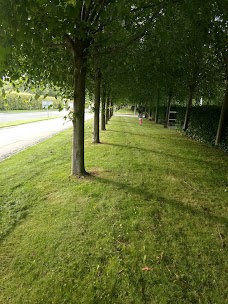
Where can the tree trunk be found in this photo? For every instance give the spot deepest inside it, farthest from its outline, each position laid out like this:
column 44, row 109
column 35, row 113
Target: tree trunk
column 111, row 109
column 168, row 110
column 103, row 110
column 223, row 121
column 78, row 166
column 156, row 109
column 96, row 134
column 188, row 107
column 107, row 110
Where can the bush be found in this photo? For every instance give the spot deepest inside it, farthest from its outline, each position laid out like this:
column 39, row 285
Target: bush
column 162, row 114
column 24, row 101
column 203, row 124
column 180, row 116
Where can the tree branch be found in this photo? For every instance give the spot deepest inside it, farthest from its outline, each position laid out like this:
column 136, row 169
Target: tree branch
column 70, row 43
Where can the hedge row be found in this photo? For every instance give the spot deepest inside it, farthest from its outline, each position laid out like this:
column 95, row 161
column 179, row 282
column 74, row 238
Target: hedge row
column 14, row 101
column 203, row 123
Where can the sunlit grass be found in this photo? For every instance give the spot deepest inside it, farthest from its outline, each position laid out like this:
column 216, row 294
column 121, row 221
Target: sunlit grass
column 148, row 226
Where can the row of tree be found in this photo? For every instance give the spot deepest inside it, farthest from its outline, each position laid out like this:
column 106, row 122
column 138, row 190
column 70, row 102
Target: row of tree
column 134, row 51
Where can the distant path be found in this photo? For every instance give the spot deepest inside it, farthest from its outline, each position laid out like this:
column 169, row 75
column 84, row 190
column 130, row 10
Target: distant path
column 128, row 115
column 15, row 139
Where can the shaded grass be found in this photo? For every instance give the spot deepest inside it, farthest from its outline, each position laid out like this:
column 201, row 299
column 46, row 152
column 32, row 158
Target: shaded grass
column 148, row 226
column 126, row 111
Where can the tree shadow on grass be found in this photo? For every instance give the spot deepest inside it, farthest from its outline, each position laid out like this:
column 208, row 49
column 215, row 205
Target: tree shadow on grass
column 212, row 163
column 17, row 213
column 123, row 132
column 145, row 195
column 118, row 121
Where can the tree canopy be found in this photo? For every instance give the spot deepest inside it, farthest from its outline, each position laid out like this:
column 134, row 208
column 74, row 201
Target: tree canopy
column 141, row 49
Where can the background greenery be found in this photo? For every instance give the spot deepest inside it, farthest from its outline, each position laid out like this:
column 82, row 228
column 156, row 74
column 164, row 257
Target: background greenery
column 203, row 122
column 25, row 101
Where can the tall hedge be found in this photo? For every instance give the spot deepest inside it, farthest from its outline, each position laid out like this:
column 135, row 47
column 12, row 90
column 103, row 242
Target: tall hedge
column 203, row 123
column 15, row 101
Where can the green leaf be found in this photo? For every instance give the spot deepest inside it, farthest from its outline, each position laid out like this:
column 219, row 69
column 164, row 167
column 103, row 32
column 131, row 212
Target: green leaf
column 37, row 96
column 60, row 107
column 3, row 93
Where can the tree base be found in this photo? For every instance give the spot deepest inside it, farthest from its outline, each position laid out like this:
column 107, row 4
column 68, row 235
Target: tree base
column 81, row 175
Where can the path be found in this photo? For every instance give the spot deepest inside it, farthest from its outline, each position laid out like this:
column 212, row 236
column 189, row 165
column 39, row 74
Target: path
column 11, row 117
column 18, row 138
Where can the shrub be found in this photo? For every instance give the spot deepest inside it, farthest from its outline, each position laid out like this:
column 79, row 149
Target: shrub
column 203, row 124
column 24, row 101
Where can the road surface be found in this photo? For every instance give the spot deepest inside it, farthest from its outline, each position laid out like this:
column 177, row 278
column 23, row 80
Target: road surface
column 18, row 138
column 9, row 117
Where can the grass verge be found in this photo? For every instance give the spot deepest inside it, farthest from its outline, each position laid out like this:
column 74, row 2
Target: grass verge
column 148, row 226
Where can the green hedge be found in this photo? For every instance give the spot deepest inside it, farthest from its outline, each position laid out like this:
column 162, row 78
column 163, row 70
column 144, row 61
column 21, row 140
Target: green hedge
column 14, row 101
column 161, row 114
column 203, row 123
column 180, row 116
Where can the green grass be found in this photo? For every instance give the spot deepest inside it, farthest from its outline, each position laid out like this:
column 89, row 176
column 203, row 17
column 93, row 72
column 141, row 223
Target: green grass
column 21, row 122
column 148, row 226
column 126, row 111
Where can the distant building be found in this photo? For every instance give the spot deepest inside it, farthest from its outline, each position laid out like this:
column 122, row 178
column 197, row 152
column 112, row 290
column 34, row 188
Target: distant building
column 47, row 104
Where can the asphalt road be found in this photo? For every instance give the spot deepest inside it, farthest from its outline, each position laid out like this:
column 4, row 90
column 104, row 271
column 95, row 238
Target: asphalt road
column 18, row 138
column 9, row 117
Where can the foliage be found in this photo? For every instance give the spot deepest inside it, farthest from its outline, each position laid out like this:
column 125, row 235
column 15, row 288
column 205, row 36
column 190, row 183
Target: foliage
column 25, row 101
column 176, row 48
column 180, row 116
column 203, row 125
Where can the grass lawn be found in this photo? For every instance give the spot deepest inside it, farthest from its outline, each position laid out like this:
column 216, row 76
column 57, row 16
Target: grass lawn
column 148, row 226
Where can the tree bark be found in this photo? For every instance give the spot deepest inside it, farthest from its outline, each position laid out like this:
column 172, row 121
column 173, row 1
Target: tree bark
column 166, row 124
column 150, row 110
column 96, row 121
column 156, row 108
column 111, row 109
column 78, row 165
column 103, row 110
column 107, row 110
column 188, row 107
column 223, row 121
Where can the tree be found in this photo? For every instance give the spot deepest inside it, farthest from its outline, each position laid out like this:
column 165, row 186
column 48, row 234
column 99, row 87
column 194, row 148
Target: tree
column 219, row 32
column 96, row 137
column 39, row 27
